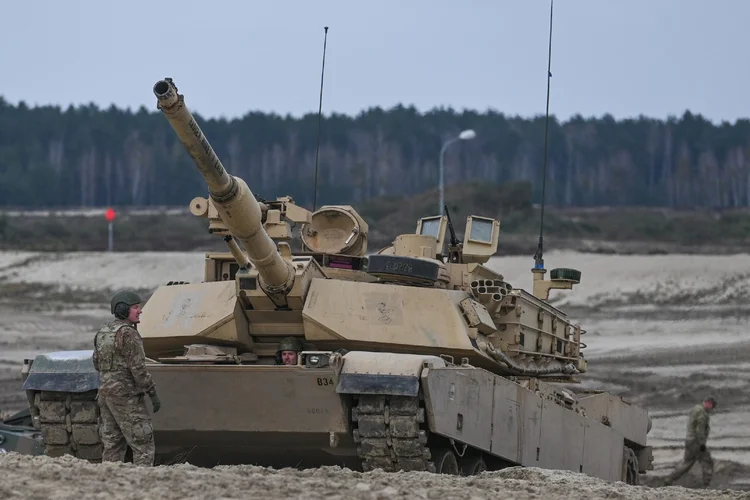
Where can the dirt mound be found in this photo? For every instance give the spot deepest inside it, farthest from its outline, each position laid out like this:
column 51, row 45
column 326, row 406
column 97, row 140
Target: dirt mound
column 727, row 475
column 44, row 477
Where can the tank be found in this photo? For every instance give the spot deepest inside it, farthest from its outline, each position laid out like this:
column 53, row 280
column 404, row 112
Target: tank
column 417, row 357
column 17, row 434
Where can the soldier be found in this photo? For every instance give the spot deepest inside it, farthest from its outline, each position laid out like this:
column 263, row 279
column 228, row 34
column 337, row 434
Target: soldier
column 123, row 381
column 289, row 347
column 695, row 443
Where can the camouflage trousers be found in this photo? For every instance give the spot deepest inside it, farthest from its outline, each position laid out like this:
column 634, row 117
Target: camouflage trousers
column 125, row 421
column 694, row 454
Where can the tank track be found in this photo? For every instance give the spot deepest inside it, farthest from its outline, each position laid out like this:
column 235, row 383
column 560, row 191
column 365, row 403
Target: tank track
column 69, row 423
column 391, row 434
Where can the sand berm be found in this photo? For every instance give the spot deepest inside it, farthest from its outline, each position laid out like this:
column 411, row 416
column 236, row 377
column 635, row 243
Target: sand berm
column 61, row 478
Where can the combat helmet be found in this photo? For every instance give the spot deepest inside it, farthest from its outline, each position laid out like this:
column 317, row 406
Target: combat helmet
column 121, row 302
column 290, row 344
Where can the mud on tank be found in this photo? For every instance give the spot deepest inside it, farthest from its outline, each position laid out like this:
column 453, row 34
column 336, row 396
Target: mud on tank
column 418, row 357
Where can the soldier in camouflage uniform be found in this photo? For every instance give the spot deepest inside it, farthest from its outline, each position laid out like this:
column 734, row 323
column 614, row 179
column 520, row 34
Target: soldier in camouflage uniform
column 695, row 443
column 123, row 381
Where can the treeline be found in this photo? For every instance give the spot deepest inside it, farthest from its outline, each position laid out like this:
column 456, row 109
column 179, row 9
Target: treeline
column 85, row 156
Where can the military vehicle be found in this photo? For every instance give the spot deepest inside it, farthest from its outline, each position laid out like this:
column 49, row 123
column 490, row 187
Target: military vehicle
column 417, row 357
column 18, row 434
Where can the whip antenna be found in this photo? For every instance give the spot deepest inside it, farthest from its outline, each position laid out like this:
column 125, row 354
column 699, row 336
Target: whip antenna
column 539, row 255
column 320, row 111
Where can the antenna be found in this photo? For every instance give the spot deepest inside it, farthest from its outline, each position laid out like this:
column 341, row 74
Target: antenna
column 539, row 255
column 320, row 111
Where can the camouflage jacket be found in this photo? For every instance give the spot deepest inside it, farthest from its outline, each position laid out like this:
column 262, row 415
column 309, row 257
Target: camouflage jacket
column 698, row 425
column 120, row 360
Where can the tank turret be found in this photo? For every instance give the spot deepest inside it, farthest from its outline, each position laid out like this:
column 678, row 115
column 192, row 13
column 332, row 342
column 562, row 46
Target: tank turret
column 231, row 196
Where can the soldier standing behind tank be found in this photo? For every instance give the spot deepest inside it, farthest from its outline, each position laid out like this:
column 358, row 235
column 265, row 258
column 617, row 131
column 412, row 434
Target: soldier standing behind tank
column 695, row 443
column 123, row 381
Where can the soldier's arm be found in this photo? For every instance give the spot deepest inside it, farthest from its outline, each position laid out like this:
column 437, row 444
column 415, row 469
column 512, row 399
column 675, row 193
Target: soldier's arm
column 96, row 357
column 132, row 350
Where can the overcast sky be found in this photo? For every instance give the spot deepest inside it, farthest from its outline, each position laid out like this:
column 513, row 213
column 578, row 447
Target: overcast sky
column 623, row 57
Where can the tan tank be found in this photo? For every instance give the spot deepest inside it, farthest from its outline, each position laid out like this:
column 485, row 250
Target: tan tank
column 418, row 357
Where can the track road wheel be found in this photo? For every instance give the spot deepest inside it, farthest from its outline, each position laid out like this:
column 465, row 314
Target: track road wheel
column 445, row 462
column 630, row 466
column 471, row 466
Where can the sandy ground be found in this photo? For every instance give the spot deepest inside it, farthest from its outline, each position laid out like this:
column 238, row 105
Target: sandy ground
column 41, row 477
column 661, row 330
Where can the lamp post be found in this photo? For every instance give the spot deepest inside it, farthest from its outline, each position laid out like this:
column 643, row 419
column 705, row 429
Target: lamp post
column 466, row 135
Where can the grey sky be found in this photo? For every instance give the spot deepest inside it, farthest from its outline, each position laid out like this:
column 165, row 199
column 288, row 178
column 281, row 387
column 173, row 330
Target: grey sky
column 624, row 57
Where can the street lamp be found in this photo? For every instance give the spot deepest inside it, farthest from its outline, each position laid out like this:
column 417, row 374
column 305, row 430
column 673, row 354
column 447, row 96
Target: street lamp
column 466, row 135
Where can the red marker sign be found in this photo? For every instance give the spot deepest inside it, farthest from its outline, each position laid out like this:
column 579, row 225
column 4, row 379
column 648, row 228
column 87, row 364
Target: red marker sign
column 110, row 214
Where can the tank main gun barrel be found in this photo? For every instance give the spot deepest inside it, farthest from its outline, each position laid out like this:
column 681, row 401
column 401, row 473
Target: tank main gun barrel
column 173, row 106
column 232, row 197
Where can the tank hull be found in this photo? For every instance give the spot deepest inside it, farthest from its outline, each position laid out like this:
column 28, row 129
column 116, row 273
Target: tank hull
column 270, row 415
column 372, row 410
column 312, row 417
